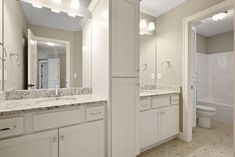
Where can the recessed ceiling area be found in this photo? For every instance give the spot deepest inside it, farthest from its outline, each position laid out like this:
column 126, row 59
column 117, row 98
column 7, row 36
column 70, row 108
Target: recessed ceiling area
column 208, row 27
column 158, row 7
column 45, row 17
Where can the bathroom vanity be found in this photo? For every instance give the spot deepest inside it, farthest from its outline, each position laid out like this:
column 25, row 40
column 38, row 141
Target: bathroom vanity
column 159, row 117
column 51, row 127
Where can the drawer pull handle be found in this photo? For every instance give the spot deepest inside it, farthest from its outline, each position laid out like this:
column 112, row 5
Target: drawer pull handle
column 96, row 113
column 9, row 128
column 144, row 104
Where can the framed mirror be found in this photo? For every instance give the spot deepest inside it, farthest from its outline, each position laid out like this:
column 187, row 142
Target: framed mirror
column 44, row 44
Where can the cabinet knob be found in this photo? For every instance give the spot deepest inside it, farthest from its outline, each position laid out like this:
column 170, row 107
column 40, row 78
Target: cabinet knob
column 62, row 137
column 54, row 139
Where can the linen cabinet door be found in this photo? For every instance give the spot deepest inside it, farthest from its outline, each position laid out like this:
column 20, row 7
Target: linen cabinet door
column 170, row 121
column 43, row 144
column 85, row 140
column 124, row 117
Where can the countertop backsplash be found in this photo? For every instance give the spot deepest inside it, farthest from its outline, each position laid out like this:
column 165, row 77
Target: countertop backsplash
column 41, row 93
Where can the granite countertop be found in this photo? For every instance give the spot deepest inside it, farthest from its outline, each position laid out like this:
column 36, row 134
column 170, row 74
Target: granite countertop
column 10, row 107
column 147, row 93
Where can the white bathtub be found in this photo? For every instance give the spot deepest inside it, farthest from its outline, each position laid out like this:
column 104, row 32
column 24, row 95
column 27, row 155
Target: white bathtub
column 224, row 112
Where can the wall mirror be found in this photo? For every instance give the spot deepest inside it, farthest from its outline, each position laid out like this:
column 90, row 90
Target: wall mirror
column 148, row 51
column 44, row 44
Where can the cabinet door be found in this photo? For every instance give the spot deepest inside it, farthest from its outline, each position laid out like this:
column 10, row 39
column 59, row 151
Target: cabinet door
column 35, row 145
column 85, row 140
column 170, row 121
column 124, row 116
column 149, row 128
column 125, row 37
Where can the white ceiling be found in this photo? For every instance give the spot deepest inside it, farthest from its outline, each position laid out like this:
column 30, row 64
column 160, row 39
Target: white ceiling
column 158, row 7
column 208, row 27
column 45, row 17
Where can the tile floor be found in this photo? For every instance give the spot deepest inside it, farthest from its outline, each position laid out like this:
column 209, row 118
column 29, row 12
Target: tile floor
column 214, row 142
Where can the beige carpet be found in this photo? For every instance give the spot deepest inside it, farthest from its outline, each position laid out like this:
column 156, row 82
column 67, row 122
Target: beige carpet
column 214, row 142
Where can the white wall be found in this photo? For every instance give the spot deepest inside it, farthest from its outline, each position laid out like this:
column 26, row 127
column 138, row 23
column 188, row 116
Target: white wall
column 100, row 49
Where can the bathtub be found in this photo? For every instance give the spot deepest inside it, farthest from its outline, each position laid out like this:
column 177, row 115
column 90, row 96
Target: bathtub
column 224, row 112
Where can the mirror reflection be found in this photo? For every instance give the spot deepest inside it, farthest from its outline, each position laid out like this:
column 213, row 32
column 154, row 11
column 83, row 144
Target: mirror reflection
column 44, row 44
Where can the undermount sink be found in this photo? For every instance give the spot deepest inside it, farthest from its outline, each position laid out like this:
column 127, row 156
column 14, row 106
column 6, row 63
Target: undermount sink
column 56, row 99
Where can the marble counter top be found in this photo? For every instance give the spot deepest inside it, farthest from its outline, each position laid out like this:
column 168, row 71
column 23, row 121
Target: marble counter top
column 147, row 93
column 10, row 107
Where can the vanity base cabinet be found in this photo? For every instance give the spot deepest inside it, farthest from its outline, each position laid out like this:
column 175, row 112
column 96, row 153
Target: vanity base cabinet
column 85, row 140
column 43, row 144
column 158, row 125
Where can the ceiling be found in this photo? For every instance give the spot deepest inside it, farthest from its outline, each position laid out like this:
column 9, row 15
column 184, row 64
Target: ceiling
column 45, row 17
column 208, row 27
column 158, row 7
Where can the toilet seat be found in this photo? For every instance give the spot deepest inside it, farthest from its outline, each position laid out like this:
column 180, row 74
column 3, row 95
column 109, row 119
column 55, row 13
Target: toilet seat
column 205, row 108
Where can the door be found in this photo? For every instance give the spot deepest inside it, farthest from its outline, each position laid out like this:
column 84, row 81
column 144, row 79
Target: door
column 194, row 74
column 169, row 121
column 32, row 61
column 43, row 144
column 149, row 128
column 85, row 140
column 53, row 73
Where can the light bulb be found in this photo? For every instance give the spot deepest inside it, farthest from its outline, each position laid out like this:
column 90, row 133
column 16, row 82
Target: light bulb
column 151, row 26
column 55, row 10
column 219, row 16
column 143, row 23
column 37, row 5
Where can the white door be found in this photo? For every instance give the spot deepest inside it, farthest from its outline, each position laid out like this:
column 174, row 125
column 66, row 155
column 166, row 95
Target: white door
column 32, row 61
column 149, row 128
column 194, row 74
column 85, row 140
column 124, row 117
column 43, row 144
column 53, row 73
column 169, row 121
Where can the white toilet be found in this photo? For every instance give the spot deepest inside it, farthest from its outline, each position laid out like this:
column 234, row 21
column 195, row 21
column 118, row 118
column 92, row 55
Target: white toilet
column 204, row 114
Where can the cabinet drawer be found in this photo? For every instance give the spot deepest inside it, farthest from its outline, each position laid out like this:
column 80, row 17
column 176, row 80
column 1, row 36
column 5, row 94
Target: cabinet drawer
column 55, row 120
column 160, row 101
column 11, row 127
column 145, row 104
column 94, row 113
column 175, row 100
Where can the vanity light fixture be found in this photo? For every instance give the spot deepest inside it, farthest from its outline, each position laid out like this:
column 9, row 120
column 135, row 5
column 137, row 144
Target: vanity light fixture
column 75, row 4
column 37, row 5
column 50, row 44
column 219, row 16
column 151, row 26
column 56, row 1
column 143, row 23
column 55, row 10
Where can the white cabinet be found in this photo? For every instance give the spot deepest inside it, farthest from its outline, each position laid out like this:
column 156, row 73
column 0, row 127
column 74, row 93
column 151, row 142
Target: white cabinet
column 169, row 121
column 43, row 144
column 158, row 124
column 124, row 115
column 85, row 140
column 149, row 128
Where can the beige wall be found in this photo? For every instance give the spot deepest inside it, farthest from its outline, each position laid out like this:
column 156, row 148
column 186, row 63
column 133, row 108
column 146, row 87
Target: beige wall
column 170, row 37
column 215, row 44
column 221, row 43
column 15, row 41
column 75, row 39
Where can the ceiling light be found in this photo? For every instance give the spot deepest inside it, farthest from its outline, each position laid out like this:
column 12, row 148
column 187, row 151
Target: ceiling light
column 75, row 4
column 37, row 5
column 72, row 14
column 50, row 44
column 143, row 23
column 151, row 26
column 56, row 1
column 55, row 10
column 219, row 16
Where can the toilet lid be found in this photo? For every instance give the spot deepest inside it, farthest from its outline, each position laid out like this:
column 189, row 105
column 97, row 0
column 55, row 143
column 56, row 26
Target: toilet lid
column 206, row 108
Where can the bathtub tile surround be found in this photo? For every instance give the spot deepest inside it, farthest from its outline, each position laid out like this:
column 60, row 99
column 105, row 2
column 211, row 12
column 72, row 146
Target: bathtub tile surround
column 214, row 142
column 41, row 93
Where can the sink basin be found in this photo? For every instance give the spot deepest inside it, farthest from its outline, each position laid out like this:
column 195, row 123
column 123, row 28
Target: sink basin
column 56, row 99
